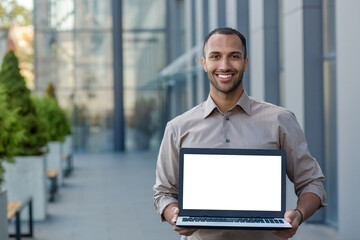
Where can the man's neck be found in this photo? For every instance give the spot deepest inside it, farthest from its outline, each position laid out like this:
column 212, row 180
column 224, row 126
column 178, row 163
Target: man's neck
column 226, row 101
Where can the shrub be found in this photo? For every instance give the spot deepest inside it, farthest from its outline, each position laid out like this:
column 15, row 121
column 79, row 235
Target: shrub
column 53, row 116
column 50, row 91
column 18, row 98
column 11, row 133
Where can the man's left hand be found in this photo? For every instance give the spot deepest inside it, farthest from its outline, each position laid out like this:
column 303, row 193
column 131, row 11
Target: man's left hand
column 292, row 217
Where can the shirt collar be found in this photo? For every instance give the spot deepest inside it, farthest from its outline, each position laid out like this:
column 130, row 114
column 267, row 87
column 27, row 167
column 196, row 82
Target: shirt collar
column 244, row 103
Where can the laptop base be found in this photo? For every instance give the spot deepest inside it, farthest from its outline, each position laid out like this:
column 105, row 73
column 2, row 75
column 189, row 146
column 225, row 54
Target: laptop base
column 278, row 224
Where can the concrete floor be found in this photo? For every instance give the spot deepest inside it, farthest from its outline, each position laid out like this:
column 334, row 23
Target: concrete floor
column 109, row 196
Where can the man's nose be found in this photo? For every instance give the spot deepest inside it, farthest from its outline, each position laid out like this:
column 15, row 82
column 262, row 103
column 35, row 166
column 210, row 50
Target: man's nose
column 224, row 65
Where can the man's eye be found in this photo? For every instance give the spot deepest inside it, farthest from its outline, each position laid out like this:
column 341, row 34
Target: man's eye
column 235, row 56
column 214, row 57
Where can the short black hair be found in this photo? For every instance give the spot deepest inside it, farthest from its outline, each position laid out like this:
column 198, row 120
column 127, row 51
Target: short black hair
column 226, row 31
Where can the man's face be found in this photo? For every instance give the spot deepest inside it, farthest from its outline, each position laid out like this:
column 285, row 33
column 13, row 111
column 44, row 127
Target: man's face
column 224, row 62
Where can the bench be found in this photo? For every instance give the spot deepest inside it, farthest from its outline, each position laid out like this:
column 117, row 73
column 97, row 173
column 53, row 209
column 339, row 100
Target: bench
column 52, row 176
column 68, row 164
column 14, row 209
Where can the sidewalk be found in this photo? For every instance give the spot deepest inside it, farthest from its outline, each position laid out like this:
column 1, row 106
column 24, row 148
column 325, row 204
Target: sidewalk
column 109, row 196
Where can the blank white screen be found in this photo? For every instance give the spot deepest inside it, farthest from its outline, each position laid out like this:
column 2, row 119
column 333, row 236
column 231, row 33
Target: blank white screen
column 232, row 182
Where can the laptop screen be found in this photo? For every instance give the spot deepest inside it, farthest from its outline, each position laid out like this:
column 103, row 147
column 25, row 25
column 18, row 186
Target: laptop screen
column 232, row 179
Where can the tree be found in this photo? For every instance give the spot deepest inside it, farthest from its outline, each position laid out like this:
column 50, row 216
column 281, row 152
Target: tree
column 15, row 25
column 18, row 99
column 12, row 13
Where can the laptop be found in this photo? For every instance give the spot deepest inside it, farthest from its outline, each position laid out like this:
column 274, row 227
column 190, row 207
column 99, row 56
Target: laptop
column 232, row 189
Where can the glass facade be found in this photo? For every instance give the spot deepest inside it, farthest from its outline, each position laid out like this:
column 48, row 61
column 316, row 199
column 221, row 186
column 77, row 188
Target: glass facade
column 144, row 55
column 73, row 45
column 94, row 98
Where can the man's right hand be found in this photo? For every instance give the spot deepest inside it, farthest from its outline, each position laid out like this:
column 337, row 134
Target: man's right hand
column 171, row 213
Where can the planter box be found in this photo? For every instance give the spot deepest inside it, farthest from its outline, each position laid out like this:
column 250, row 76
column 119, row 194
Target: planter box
column 3, row 216
column 67, row 145
column 27, row 177
column 67, row 151
column 54, row 160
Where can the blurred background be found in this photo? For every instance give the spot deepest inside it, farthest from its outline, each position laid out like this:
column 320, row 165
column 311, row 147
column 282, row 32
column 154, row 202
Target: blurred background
column 123, row 68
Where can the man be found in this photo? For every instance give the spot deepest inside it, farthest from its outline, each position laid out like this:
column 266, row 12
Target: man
column 229, row 118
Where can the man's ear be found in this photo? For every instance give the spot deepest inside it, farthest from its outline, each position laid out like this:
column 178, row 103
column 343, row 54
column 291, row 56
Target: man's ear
column 204, row 63
column 246, row 61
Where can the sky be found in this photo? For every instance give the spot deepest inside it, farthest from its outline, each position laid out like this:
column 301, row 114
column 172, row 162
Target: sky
column 26, row 3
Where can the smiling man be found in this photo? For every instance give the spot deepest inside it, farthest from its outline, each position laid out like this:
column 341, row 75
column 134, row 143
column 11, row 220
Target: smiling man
column 225, row 61
column 229, row 118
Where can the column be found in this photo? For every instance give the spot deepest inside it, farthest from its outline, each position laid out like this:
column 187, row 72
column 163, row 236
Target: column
column 188, row 46
column 242, row 18
column 231, row 14
column 213, row 15
column 264, row 57
column 348, row 115
column 119, row 118
column 293, row 72
column 256, row 59
column 293, row 58
column 271, row 51
column 200, row 93
column 314, row 84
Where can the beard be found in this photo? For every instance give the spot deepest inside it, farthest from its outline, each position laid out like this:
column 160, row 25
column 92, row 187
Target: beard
column 235, row 85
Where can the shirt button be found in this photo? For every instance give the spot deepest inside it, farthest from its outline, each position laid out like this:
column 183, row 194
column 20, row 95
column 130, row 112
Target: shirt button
column 227, row 118
column 227, row 140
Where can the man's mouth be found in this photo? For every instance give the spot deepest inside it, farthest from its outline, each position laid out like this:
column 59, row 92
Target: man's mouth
column 224, row 77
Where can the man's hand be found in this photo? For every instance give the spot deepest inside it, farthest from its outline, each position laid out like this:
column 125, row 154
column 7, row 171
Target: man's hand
column 294, row 218
column 171, row 213
column 308, row 203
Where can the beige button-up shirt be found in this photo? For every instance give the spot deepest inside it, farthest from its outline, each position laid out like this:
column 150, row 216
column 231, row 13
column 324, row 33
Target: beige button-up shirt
column 251, row 124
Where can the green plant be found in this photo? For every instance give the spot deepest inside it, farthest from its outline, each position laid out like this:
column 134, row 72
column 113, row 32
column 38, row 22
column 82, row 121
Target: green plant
column 18, row 98
column 142, row 118
column 11, row 133
column 50, row 91
column 53, row 117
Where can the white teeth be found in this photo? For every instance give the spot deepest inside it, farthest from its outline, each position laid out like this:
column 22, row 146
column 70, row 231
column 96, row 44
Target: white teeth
column 224, row 76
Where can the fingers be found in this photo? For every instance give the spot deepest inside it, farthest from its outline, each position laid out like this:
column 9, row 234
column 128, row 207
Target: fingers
column 181, row 231
column 284, row 234
column 175, row 217
column 292, row 218
column 184, row 231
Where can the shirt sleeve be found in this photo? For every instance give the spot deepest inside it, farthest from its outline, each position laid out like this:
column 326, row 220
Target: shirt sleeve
column 167, row 172
column 302, row 169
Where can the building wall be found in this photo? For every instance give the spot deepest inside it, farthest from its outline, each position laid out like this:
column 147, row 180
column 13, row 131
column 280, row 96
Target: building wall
column 315, row 80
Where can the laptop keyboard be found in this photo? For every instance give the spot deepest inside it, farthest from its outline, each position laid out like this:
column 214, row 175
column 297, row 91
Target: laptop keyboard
column 242, row 220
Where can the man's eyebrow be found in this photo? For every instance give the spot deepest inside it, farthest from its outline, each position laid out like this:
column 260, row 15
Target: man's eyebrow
column 234, row 52
column 214, row 52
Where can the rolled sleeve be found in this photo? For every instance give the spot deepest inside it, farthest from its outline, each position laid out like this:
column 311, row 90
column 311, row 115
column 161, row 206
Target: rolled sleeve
column 161, row 203
column 302, row 169
column 167, row 172
column 317, row 188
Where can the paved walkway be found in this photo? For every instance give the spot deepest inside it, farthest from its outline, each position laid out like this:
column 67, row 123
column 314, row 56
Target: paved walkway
column 109, row 196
